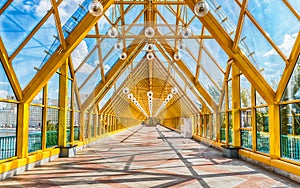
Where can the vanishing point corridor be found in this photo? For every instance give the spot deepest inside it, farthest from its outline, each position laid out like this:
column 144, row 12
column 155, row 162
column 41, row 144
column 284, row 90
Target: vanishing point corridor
column 145, row 156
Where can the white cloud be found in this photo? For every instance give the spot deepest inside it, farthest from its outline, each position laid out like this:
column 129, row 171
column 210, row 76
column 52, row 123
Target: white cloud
column 4, row 83
column 286, row 46
column 43, row 7
column 80, row 52
column 3, row 93
column 66, row 9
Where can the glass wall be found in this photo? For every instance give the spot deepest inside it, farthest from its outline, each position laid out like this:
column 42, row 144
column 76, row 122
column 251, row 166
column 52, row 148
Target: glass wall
column 246, row 129
column 262, row 129
column 35, row 128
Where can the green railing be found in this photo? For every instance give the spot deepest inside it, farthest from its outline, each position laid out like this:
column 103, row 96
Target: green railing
column 7, row 147
column 246, row 139
column 262, row 142
column 290, row 147
column 223, row 134
column 8, row 143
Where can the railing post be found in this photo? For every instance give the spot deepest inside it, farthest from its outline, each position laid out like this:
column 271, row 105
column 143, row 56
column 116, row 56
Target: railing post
column 22, row 131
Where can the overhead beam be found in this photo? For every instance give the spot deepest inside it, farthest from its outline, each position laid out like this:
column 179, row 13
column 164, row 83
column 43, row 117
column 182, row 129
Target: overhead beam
column 110, row 77
column 58, row 57
column 244, row 64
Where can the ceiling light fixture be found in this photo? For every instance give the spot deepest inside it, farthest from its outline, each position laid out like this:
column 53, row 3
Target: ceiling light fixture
column 201, row 8
column 95, row 8
column 177, row 56
column 149, row 32
column 118, row 46
column 123, row 56
column 150, row 56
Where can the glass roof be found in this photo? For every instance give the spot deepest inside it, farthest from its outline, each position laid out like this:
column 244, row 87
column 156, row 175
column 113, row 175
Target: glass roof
column 32, row 33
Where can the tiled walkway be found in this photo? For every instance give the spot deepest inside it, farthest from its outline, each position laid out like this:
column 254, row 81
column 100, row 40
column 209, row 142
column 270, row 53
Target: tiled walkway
column 148, row 157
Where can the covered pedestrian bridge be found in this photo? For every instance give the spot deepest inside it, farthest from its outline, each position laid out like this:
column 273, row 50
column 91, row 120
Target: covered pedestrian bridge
column 78, row 76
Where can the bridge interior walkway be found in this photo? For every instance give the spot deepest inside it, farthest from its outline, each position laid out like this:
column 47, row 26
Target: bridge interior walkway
column 145, row 156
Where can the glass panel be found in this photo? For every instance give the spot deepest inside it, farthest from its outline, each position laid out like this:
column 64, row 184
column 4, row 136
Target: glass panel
column 276, row 19
column 69, row 126
column 290, row 131
column 38, row 98
column 35, row 53
column 52, row 127
column 80, row 53
column 227, row 14
column 209, row 86
column 207, row 125
column 90, row 85
column 2, row 3
column 230, row 128
column 66, row 9
column 35, row 128
column 8, row 131
column 246, row 116
column 259, row 100
column 70, row 89
column 6, row 91
column 111, row 60
column 53, row 90
column 245, row 92
column 76, row 126
column 261, row 53
column 19, row 19
column 295, row 4
column 92, row 124
column 211, row 69
column 219, row 54
column 223, row 127
column 86, row 125
column 229, row 94
column 262, row 130
column 189, row 61
column 292, row 91
column 246, row 134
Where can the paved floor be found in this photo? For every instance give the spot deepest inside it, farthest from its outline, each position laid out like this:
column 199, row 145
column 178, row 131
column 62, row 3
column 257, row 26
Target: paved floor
column 148, row 157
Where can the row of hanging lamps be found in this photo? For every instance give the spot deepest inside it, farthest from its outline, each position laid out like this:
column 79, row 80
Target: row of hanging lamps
column 130, row 96
column 174, row 91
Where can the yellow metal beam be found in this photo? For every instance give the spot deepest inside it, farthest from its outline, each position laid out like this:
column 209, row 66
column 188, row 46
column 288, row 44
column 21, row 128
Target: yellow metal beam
column 63, row 101
column 224, row 40
column 55, row 61
column 11, row 75
column 22, row 131
column 58, row 24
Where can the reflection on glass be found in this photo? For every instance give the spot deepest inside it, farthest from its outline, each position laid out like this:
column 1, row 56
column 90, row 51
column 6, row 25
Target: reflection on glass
column 230, row 128
column 92, row 124
column 246, row 134
column 31, row 57
column 69, row 126
column 6, row 91
column 245, row 92
column 258, row 99
column 76, row 126
column 86, row 125
column 8, row 130
column 223, row 127
column 209, row 86
column 35, row 129
column 52, row 127
column 207, row 125
column 261, row 53
column 19, row 19
column 229, row 95
column 262, row 130
column 290, row 131
column 276, row 20
column 292, row 91
column 219, row 54
column 53, row 90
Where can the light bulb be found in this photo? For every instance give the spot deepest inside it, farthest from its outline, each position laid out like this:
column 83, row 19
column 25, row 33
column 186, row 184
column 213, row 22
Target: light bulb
column 149, row 93
column 118, row 46
column 186, row 32
column 170, row 96
column 123, row 56
column 177, row 56
column 174, row 90
column 95, row 8
column 150, row 47
column 181, row 45
column 149, row 32
column 130, row 96
column 112, row 32
column 201, row 8
column 126, row 90
column 150, row 56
